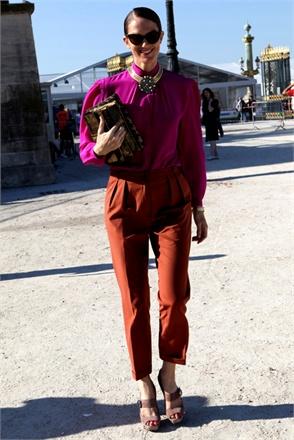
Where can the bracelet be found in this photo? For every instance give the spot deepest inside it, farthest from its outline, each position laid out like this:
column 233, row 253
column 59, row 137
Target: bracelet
column 199, row 209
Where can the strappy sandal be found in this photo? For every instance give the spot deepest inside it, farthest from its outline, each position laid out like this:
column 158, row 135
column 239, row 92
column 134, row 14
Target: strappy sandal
column 145, row 420
column 171, row 397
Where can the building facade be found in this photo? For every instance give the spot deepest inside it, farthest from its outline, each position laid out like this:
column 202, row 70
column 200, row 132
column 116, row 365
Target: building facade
column 25, row 151
column 275, row 70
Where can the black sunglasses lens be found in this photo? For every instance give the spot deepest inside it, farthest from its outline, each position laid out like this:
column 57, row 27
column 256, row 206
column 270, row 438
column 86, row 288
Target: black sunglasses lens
column 137, row 39
column 152, row 37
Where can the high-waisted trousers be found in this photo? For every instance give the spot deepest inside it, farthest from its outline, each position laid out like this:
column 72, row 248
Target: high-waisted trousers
column 151, row 206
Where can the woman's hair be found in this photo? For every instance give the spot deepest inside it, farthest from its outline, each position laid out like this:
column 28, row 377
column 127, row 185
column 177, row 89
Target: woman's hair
column 209, row 91
column 147, row 13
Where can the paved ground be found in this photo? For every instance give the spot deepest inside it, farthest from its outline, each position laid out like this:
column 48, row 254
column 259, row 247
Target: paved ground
column 65, row 370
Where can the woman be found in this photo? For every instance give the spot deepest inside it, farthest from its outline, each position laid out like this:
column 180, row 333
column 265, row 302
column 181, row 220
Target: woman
column 210, row 119
column 151, row 199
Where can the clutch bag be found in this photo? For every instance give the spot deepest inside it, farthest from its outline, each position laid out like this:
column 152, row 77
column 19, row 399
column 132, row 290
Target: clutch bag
column 113, row 112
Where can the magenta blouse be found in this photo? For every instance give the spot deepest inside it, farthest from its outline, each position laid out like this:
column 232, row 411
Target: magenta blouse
column 167, row 119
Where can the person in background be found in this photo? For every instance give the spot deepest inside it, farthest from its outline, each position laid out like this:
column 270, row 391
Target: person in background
column 77, row 122
column 289, row 91
column 65, row 131
column 241, row 109
column 152, row 199
column 249, row 108
column 210, row 119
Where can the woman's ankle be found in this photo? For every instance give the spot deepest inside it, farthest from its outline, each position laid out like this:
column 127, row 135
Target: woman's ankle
column 168, row 376
column 168, row 369
column 146, row 386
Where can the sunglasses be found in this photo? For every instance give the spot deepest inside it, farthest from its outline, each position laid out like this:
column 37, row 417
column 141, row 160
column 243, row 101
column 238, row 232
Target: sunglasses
column 151, row 38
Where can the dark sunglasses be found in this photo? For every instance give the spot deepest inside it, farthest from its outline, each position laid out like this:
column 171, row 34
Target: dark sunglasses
column 151, row 38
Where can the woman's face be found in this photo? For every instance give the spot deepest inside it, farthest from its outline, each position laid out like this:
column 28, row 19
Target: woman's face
column 206, row 94
column 145, row 54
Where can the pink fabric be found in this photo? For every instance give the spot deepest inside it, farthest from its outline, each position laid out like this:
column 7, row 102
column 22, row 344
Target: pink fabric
column 167, row 119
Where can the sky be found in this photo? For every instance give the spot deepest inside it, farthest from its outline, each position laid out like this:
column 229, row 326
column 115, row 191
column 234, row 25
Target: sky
column 71, row 34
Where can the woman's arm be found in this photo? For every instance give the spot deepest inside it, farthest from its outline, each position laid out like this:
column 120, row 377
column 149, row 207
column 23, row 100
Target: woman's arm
column 190, row 145
column 94, row 96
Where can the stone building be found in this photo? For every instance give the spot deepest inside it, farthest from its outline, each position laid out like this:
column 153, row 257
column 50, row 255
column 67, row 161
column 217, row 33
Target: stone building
column 25, row 150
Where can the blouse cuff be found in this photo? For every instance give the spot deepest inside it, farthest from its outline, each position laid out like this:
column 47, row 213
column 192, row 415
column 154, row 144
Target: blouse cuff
column 88, row 156
column 97, row 155
column 197, row 204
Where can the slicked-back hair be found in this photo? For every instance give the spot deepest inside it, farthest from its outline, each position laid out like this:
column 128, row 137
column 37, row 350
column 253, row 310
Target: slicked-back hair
column 142, row 12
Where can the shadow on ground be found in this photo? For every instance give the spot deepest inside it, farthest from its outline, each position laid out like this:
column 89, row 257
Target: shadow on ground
column 248, row 176
column 233, row 157
column 57, row 417
column 71, row 176
column 91, row 269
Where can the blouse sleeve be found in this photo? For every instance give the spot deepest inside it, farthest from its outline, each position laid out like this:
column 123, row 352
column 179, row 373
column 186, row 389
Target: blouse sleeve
column 93, row 97
column 190, row 145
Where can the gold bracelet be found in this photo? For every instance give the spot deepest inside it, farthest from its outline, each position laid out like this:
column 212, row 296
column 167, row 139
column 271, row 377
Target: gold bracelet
column 199, row 209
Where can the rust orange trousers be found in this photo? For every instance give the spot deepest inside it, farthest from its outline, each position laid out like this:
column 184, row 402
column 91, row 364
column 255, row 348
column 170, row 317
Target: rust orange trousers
column 151, row 206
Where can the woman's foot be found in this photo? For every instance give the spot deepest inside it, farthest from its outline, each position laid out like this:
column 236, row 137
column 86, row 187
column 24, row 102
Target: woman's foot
column 174, row 407
column 149, row 413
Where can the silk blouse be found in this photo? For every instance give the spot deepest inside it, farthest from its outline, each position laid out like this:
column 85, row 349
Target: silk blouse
column 167, row 119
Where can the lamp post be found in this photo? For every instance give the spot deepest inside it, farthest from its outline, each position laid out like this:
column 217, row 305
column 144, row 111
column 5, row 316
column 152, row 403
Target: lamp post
column 172, row 53
column 247, row 64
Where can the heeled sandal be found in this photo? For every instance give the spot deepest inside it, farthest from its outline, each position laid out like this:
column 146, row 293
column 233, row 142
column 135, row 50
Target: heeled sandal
column 145, row 420
column 171, row 397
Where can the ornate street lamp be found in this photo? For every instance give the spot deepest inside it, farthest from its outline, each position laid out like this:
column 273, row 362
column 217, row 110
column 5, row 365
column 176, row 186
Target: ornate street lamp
column 246, row 65
column 172, row 53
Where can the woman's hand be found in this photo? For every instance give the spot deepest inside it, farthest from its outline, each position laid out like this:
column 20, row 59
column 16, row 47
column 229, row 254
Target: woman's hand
column 108, row 141
column 201, row 225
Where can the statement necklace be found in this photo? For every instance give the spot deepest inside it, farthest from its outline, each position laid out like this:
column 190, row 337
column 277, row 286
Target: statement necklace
column 146, row 83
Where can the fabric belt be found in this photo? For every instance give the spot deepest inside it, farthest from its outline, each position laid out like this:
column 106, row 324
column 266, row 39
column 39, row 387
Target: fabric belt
column 145, row 176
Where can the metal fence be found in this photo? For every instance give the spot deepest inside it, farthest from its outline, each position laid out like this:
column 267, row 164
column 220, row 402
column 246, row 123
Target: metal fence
column 274, row 113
